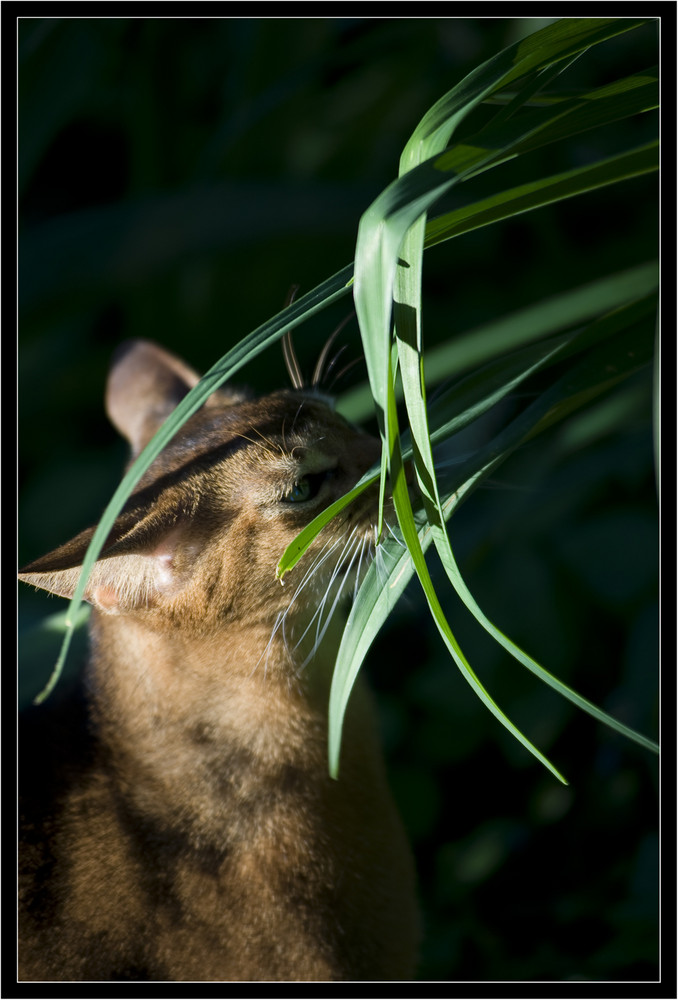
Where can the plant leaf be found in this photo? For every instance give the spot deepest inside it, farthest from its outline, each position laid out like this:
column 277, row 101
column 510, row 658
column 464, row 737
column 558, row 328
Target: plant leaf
column 545, row 191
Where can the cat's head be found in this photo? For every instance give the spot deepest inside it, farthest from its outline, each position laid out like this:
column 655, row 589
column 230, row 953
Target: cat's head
column 197, row 544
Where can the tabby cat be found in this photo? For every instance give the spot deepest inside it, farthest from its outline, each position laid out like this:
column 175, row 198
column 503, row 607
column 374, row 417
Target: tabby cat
column 178, row 820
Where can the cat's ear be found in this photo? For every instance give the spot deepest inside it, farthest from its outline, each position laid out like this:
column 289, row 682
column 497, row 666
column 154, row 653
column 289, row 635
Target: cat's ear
column 142, row 565
column 145, row 384
column 148, row 555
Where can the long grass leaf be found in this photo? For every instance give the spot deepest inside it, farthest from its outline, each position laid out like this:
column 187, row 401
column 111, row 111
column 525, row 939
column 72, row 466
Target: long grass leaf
column 473, row 348
column 558, row 313
column 383, row 228
column 545, row 191
column 559, row 41
column 539, row 671
column 561, row 120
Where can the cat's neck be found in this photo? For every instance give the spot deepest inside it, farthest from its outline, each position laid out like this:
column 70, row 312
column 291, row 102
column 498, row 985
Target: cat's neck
column 174, row 713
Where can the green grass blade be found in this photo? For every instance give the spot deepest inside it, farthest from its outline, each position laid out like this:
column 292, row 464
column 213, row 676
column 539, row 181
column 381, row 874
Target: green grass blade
column 631, row 95
column 408, row 335
column 527, row 197
column 381, row 234
column 601, row 368
column 593, row 110
column 474, row 394
column 533, row 85
column 544, row 675
column 559, row 41
column 37, row 644
column 545, row 318
column 474, row 348
column 649, row 77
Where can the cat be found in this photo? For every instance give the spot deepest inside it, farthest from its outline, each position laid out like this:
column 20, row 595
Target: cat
column 178, row 819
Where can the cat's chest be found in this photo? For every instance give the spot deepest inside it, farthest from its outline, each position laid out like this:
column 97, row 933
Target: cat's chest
column 180, row 901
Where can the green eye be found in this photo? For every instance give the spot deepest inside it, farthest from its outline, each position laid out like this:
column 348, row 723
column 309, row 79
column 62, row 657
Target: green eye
column 300, row 492
column 307, row 487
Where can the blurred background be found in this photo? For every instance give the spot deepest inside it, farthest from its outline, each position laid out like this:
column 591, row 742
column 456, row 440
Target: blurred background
column 176, row 178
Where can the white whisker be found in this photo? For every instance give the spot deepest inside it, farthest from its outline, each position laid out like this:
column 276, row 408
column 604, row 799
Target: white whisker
column 281, row 618
column 319, row 610
column 396, row 537
column 320, row 632
column 366, row 543
column 267, row 651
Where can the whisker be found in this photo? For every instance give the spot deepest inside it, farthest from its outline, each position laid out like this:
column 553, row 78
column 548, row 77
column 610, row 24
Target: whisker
column 318, row 375
column 296, row 416
column 272, row 447
column 291, row 362
column 334, row 360
column 344, row 370
column 320, row 631
column 292, row 294
column 396, row 538
column 365, row 544
column 317, row 562
column 319, row 610
column 282, row 616
column 334, row 574
column 267, row 651
column 280, row 621
column 348, row 544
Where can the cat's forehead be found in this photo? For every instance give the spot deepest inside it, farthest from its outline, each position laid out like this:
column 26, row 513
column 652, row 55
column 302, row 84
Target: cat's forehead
column 284, row 421
column 283, row 414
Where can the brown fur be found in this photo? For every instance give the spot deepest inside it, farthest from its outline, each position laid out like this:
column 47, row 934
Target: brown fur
column 179, row 822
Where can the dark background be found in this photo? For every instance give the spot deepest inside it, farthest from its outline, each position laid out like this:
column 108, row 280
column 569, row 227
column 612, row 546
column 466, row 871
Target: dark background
column 176, row 177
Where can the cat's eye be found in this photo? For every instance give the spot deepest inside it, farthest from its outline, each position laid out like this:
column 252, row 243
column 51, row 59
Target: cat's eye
column 305, row 489
column 300, row 492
